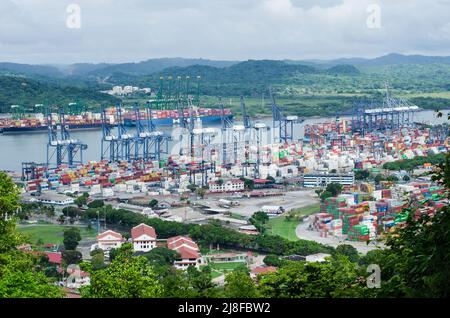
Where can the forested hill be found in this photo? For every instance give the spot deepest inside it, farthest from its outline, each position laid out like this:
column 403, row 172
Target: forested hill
column 28, row 92
column 242, row 78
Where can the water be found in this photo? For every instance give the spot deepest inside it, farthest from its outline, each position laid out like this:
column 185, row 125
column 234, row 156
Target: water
column 17, row 148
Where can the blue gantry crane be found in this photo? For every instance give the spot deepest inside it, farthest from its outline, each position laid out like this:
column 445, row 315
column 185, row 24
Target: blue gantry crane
column 226, row 124
column 284, row 124
column 61, row 147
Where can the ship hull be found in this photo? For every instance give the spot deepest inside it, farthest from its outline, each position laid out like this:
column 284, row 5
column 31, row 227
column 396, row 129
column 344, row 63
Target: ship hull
column 175, row 121
column 27, row 130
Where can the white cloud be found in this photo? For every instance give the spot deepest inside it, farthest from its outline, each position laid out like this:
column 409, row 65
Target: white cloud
column 34, row 31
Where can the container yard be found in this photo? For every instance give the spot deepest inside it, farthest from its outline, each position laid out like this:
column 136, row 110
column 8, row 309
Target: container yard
column 255, row 165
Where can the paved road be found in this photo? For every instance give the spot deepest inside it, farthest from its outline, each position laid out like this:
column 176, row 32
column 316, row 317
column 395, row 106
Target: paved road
column 302, row 232
column 290, row 200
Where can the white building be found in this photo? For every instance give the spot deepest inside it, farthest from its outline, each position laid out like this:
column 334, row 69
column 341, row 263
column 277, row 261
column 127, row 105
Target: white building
column 55, row 199
column 226, row 186
column 109, row 240
column 78, row 279
column 143, row 237
column 319, row 257
column 187, row 249
column 322, row 180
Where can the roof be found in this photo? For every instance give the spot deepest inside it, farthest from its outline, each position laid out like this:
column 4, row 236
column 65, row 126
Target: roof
column 264, row 269
column 142, row 229
column 177, row 242
column 110, row 232
column 54, row 257
column 186, row 252
column 261, row 181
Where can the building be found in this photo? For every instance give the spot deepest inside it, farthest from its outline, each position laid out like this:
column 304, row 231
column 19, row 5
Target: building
column 55, row 199
column 143, row 237
column 248, row 229
column 226, row 186
column 188, row 250
column 78, row 279
column 319, row 257
column 228, row 258
column 322, row 180
column 54, row 257
column 109, row 240
column 261, row 270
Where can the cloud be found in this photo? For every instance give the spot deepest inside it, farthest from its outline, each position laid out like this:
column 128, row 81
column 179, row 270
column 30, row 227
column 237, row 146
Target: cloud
column 35, row 31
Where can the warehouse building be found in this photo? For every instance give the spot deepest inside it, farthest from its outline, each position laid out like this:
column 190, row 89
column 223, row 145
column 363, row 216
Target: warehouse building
column 322, row 180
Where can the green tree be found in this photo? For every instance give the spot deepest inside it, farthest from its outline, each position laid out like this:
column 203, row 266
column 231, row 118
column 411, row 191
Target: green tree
column 201, row 192
column 71, row 257
column 20, row 273
column 362, row 174
column 9, row 196
column 325, row 195
column 349, row 251
column 335, row 278
column 96, row 204
column 161, row 256
column 81, row 200
column 334, row 188
column 153, row 203
column 98, row 261
column 201, row 282
column 192, row 187
column 318, row 192
column 392, row 178
column 274, row 260
column 378, row 178
column 406, row 178
column 126, row 277
column 238, row 284
column 71, row 238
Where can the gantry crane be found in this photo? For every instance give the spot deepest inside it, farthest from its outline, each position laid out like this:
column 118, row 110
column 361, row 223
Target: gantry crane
column 61, row 146
column 284, row 124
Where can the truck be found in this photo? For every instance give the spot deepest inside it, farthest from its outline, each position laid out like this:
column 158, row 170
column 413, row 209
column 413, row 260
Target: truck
column 272, row 209
column 227, row 203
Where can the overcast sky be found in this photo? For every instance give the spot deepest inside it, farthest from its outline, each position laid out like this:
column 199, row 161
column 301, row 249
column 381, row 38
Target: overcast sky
column 35, row 31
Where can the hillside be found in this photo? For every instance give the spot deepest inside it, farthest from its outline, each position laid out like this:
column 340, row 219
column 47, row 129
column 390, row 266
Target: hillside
column 30, row 70
column 389, row 59
column 28, row 92
column 247, row 78
column 145, row 67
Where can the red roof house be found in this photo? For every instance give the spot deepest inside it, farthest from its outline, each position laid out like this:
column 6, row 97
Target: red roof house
column 144, row 238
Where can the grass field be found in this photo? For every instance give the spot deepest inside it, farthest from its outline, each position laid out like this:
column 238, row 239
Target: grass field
column 215, row 274
column 51, row 233
column 283, row 227
column 286, row 227
column 226, row 266
column 307, row 210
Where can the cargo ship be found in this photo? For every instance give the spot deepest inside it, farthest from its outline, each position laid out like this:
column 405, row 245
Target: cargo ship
column 38, row 123
column 172, row 117
column 93, row 120
column 43, row 128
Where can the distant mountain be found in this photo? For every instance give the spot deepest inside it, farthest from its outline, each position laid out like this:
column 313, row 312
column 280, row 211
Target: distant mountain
column 28, row 92
column 390, row 59
column 241, row 78
column 154, row 65
column 82, row 69
column 29, row 70
column 343, row 69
